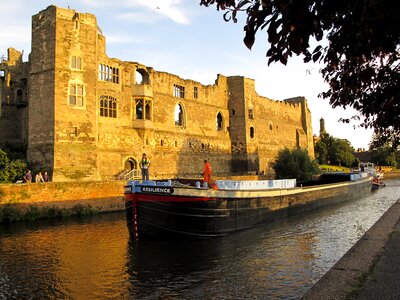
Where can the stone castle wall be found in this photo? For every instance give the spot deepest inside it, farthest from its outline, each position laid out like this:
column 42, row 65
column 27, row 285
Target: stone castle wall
column 77, row 136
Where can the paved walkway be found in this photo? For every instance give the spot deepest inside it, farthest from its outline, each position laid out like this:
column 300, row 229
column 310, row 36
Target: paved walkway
column 370, row 269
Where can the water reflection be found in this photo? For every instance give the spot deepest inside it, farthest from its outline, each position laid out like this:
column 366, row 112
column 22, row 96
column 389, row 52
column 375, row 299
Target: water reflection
column 92, row 258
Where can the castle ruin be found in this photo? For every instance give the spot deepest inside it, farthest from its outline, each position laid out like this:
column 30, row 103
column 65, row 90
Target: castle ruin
column 82, row 115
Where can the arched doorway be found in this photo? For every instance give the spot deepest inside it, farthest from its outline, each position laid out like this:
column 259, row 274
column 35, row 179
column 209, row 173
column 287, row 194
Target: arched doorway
column 131, row 168
column 130, row 164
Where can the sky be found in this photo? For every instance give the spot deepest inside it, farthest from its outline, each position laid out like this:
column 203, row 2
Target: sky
column 194, row 42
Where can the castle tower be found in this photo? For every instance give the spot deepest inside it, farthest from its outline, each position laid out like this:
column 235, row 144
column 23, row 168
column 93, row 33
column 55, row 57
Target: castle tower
column 322, row 130
column 62, row 111
column 242, row 124
column 13, row 101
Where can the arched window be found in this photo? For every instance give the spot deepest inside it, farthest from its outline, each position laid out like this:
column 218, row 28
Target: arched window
column 19, row 98
column 219, row 122
column 252, row 132
column 142, row 77
column 139, row 78
column 179, row 115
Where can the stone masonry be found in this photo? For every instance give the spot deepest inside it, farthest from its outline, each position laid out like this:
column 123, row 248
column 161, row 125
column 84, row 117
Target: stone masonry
column 82, row 115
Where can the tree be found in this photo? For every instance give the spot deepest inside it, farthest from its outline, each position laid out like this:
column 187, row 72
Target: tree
column 361, row 59
column 295, row 164
column 10, row 170
column 330, row 150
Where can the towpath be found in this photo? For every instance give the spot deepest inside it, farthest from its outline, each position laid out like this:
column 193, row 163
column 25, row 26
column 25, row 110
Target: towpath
column 370, row 269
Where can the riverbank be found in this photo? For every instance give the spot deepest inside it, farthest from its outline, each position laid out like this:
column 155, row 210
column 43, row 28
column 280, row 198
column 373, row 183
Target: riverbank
column 370, row 269
column 59, row 199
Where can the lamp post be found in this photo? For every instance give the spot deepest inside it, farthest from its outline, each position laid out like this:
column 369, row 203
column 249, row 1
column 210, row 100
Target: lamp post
column 2, row 78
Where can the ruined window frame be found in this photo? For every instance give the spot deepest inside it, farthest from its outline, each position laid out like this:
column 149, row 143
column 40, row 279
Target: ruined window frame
column 179, row 91
column 108, row 73
column 108, row 106
column 195, row 92
column 76, row 94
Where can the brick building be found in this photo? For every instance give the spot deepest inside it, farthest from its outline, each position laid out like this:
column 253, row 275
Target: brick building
column 83, row 115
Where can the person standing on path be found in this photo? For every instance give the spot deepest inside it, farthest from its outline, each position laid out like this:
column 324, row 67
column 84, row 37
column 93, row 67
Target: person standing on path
column 207, row 172
column 144, row 166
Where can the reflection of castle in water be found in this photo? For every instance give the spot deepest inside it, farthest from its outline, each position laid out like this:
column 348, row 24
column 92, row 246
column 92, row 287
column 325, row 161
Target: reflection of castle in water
column 84, row 115
column 213, row 268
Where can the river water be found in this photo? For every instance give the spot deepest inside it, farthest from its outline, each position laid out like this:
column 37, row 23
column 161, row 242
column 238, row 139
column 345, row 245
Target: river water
column 92, row 257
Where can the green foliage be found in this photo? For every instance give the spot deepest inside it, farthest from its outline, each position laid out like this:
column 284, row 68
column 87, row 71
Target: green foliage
column 295, row 164
column 384, row 156
column 330, row 150
column 10, row 170
column 360, row 50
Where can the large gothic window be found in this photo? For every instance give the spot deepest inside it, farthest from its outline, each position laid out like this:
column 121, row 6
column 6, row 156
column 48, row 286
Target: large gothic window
column 108, row 73
column 179, row 115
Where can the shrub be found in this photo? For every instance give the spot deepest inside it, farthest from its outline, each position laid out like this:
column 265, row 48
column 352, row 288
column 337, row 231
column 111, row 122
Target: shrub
column 295, row 163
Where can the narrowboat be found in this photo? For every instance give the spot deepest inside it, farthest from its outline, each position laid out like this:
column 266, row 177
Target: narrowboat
column 185, row 209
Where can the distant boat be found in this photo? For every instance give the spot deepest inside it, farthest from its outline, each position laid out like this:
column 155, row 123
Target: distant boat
column 181, row 209
column 377, row 183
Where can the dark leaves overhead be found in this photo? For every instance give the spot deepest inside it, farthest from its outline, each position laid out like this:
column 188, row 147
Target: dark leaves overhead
column 361, row 59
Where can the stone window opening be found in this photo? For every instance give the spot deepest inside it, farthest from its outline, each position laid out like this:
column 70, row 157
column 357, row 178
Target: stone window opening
column 195, row 92
column 179, row 91
column 108, row 73
column 250, row 114
column 219, row 122
column 251, row 132
column 233, row 112
column 143, row 109
column 76, row 94
column 108, row 106
column 76, row 19
column 76, row 131
column 142, row 77
column 147, row 110
column 19, row 99
column 179, row 116
column 76, row 63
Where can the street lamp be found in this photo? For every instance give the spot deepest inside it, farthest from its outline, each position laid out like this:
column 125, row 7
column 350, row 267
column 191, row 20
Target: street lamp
column 2, row 78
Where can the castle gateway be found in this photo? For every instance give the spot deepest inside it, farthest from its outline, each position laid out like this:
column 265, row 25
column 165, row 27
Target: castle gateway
column 82, row 115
